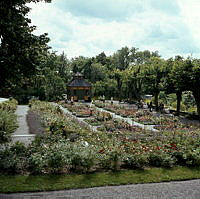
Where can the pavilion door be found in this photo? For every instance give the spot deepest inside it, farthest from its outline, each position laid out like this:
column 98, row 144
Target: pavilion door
column 81, row 94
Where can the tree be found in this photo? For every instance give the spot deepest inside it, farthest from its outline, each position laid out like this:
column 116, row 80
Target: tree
column 53, row 85
column 121, row 58
column 102, row 59
column 141, row 57
column 132, row 82
column 98, row 72
column 153, row 77
column 117, row 75
column 20, row 50
column 195, row 79
column 176, row 79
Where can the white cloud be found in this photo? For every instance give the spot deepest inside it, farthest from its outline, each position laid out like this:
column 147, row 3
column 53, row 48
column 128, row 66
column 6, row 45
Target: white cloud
column 191, row 17
column 150, row 27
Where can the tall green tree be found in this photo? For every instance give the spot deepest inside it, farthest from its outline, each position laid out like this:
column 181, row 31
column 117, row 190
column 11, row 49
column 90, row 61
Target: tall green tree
column 121, row 58
column 132, row 82
column 153, row 74
column 20, row 50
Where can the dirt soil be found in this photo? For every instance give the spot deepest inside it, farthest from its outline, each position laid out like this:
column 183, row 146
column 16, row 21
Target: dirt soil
column 34, row 123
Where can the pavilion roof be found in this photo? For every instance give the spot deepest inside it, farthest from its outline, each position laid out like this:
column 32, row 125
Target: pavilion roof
column 79, row 81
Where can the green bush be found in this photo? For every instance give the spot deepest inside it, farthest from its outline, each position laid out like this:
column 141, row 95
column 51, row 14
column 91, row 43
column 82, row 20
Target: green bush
column 10, row 105
column 192, row 157
column 37, row 163
column 138, row 161
column 13, row 160
column 83, row 158
column 161, row 159
column 8, row 124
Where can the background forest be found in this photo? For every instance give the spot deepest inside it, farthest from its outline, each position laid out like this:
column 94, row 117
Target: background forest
column 29, row 67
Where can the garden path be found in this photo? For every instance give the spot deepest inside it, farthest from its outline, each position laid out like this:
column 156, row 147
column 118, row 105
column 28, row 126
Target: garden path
column 166, row 190
column 22, row 133
column 129, row 121
column 3, row 99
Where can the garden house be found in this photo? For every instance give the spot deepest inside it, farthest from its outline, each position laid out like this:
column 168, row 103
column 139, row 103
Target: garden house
column 79, row 88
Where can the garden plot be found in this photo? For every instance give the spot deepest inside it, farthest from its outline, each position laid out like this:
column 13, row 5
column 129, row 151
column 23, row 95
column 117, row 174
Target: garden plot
column 78, row 109
column 103, row 119
column 122, row 110
column 148, row 120
column 68, row 146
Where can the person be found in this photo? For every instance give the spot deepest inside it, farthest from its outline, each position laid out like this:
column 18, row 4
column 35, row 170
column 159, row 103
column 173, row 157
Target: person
column 103, row 99
column 150, row 106
column 111, row 100
column 72, row 100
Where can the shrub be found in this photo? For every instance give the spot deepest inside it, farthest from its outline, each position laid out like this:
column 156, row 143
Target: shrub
column 138, row 161
column 8, row 124
column 192, row 157
column 13, row 160
column 110, row 159
column 37, row 163
column 10, row 105
column 160, row 158
column 83, row 158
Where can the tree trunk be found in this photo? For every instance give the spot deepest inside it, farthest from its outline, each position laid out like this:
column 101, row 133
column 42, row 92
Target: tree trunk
column 178, row 105
column 196, row 94
column 119, row 85
column 156, row 100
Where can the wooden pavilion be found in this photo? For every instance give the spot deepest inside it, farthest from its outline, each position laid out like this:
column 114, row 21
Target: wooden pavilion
column 79, row 88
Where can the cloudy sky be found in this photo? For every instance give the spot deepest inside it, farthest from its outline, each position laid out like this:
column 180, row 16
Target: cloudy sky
column 88, row 27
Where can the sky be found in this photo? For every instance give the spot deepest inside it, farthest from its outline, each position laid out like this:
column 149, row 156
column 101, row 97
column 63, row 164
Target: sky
column 89, row 27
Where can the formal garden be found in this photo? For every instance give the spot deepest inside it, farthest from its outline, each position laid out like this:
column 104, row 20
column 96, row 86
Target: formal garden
column 68, row 146
column 129, row 117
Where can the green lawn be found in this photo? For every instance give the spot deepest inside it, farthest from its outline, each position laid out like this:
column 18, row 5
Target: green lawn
column 18, row 183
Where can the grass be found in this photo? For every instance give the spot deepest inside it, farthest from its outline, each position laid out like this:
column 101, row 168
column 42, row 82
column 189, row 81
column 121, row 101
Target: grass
column 18, row 183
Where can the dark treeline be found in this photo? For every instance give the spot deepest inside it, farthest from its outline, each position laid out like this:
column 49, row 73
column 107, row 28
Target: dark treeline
column 28, row 68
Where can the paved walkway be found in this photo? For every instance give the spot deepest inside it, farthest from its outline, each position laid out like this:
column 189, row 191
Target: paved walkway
column 3, row 99
column 22, row 133
column 167, row 190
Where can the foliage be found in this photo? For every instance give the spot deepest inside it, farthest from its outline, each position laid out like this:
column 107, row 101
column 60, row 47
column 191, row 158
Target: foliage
column 10, row 105
column 8, row 124
column 13, row 159
column 20, row 50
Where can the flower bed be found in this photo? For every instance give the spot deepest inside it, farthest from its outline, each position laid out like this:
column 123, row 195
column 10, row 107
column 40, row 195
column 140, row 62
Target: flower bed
column 68, row 146
column 98, row 118
column 145, row 117
column 80, row 110
column 117, row 109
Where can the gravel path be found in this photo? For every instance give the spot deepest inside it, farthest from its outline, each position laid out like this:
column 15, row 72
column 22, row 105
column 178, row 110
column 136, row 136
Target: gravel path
column 22, row 133
column 167, row 190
